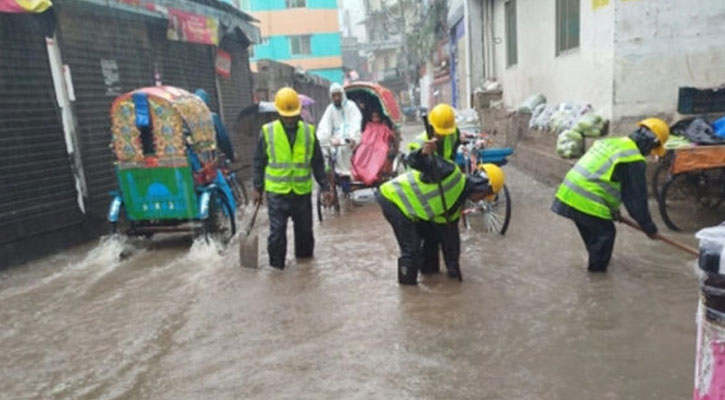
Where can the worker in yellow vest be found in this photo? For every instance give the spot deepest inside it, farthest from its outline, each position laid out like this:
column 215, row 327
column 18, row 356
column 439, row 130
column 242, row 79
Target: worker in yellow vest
column 413, row 201
column 447, row 138
column 288, row 155
column 610, row 173
column 444, row 143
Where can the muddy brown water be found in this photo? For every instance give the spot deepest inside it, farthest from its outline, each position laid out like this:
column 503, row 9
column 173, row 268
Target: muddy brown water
column 178, row 320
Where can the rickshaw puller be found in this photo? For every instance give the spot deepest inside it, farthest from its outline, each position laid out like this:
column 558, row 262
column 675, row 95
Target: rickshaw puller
column 412, row 202
column 288, row 155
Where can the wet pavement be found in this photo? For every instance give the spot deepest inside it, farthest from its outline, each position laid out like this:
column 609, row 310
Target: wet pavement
column 179, row 320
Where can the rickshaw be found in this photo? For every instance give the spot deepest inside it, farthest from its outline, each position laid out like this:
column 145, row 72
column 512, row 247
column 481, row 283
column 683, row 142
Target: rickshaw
column 369, row 97
column 166, row 164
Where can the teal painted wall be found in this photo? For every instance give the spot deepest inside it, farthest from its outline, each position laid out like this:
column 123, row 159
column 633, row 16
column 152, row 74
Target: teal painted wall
column 331, row 74
column 277, row 5
column 278, row 47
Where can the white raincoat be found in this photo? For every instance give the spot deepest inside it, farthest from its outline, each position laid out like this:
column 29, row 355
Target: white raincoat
column 340, row 123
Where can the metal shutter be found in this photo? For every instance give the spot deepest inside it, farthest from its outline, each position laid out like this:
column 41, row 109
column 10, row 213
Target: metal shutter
column 188, row 66
column 236, row 93
column 37, row 188
column 89, row 36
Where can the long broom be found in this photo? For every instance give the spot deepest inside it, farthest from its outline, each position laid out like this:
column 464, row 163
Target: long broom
column 673, row 243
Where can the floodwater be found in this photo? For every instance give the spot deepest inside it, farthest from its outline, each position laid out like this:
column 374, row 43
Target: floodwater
column 180, row 320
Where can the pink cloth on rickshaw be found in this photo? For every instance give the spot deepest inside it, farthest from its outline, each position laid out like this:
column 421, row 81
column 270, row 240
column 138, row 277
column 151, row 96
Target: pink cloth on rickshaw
column 371, row 157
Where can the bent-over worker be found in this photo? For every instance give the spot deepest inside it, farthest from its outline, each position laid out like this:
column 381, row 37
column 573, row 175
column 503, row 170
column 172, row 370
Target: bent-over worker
column 444, row 143
column 412, row 202
column 611, row 172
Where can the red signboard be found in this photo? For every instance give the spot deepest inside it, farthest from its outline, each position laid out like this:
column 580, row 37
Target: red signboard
column 194, row 28
column 223, row 63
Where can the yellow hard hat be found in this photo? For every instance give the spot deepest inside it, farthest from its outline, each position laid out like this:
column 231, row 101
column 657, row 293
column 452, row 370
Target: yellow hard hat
column 287, row 102
column 661, row 130
column 443, row 119
column 495, row 176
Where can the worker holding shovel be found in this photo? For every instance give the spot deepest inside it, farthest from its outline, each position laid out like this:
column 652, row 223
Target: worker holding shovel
column 288, row 156
column 611, row 172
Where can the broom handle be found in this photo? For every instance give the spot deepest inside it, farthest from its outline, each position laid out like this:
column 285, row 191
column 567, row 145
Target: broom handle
column 665, row 239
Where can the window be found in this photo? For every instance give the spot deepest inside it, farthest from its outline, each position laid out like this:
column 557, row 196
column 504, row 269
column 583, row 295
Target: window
column 567, row 25
column 296, row 3
column 512, row 51
column 300, row 45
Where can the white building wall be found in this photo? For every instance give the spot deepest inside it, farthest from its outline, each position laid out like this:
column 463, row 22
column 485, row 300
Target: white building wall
column 661, row 46
column 582, row 75
column 474, row 35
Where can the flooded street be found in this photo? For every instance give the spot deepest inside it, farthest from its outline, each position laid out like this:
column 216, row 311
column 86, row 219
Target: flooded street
column 177, row 320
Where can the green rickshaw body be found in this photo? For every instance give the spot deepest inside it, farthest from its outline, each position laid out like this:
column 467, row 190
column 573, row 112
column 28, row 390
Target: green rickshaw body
column 164, row 142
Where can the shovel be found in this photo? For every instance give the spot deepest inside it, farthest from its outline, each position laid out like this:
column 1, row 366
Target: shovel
column 681, row 246
column 249, row 243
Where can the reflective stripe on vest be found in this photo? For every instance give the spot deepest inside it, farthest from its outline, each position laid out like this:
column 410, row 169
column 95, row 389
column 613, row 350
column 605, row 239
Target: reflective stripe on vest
column 422, row 201
column 588, row 186
column 288, row 167
column 448, row 142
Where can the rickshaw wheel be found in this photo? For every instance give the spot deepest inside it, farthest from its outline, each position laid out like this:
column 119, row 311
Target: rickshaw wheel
column 692, row 200
column 661, row 174
column 399, row 165
column 122, row 226
column 240, row 193
column 220, row 225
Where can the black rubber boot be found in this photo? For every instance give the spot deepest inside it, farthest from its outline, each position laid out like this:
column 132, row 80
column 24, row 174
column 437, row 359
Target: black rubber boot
column 407, row 272
column 455, row 273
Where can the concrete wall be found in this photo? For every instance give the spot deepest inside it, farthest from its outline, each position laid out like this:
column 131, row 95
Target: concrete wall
column 582, row 75
column 661, row 46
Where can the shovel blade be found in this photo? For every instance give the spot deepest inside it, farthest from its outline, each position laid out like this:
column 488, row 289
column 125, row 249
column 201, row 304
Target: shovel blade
column 248, row 251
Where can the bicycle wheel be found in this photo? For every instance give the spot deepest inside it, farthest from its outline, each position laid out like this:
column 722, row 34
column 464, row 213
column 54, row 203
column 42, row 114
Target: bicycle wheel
column 219, row 225
column 495, row 215
column 239, row 191
column 692, row 200
column 658, row 179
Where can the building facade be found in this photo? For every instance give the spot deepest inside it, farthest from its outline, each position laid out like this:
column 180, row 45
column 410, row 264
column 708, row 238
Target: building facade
column 302, row 33
column 628, row 58
column 60, row 74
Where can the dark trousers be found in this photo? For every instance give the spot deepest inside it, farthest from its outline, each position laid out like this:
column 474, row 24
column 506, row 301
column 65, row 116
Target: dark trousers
column 281, row 208
column 406, row 231
column 448, row 238
column 598, row 235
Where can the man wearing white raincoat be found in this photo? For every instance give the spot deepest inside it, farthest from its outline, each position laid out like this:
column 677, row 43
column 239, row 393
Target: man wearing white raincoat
column 339, row 128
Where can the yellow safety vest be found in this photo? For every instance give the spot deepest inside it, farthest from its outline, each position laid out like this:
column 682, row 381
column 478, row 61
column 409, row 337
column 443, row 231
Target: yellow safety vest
column 588, row 186
column 420, row 201
column 448, row 142
column 288, row 167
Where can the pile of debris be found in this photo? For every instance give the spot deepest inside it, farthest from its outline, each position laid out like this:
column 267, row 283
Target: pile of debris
column 570, row 122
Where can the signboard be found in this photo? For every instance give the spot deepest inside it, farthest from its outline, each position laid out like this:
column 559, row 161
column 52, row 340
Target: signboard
column 24, row 6
column 193, row 28
column 223, row 63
